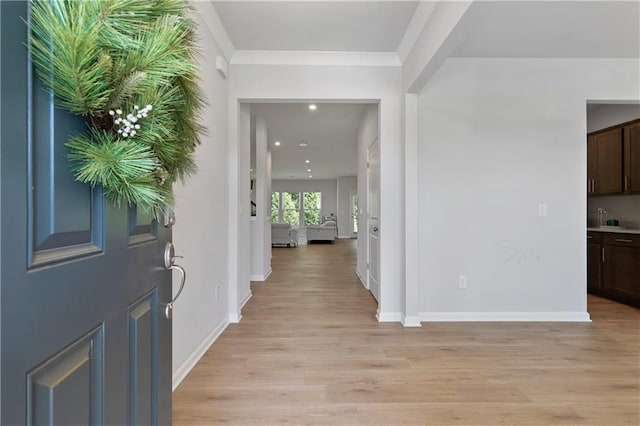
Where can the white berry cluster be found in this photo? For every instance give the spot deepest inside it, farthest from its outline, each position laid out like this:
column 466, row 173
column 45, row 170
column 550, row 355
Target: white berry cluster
column 128, row 126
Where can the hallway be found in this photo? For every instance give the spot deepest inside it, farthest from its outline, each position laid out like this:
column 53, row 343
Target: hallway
column 310, row 351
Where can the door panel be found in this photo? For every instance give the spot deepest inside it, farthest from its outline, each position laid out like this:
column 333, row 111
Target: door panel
column 67, row 388
column 373, row 194
column 64, row 215
column 82, row 282
column 142, row 360
column 142, row 227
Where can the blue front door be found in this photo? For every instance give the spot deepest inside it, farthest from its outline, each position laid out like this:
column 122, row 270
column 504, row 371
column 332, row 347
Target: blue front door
column 84, row 337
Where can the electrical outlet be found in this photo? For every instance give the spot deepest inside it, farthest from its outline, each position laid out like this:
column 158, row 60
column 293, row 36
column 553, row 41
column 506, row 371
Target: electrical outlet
column 462, row 281
column 542, row 209
column 217, row 292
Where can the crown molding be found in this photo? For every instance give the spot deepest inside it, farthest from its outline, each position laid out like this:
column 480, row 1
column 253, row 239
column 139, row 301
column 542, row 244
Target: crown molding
column 288, row 57
column 214, row 25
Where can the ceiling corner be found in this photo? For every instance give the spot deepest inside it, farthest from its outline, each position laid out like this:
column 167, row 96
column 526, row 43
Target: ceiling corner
column 212, row 20
column 418, row 21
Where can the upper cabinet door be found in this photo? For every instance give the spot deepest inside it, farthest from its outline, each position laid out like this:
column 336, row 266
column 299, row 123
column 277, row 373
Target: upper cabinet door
column 632, row 158
column 592, row 162
column 608, row 162
column 604, row 162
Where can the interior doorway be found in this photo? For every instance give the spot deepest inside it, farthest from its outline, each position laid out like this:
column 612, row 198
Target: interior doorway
column 613, row 200
column 309, row 157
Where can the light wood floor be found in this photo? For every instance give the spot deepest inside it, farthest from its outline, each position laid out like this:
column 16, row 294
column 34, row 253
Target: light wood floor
column 309, row 351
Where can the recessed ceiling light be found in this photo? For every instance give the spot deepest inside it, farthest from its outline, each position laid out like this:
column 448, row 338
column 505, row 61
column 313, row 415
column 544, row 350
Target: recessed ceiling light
column 309, row 170
column 277, row 143
column 310, row 176
column 250, row 170
column 303, row 144
column 307, row 161
column 313, row 107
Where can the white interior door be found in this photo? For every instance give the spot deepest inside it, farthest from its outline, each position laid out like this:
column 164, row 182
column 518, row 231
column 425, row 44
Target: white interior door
column 373, row 200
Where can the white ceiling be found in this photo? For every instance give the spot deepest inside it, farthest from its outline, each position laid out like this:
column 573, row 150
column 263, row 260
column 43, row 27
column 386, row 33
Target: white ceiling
column 551, row 29
column 510, row 29
column 339, row 26
column 330, row 132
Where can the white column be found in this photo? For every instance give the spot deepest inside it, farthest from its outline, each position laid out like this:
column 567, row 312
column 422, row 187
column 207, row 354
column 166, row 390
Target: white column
column 410, row 316
column 262, row 200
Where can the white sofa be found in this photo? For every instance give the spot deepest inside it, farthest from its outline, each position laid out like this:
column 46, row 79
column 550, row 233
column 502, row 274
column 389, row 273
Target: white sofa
column 328, row 231
column 282, row 234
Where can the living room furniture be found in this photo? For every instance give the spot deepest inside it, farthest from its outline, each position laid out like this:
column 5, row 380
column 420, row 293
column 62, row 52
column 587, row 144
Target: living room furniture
column 331, row 218
column 283, row 234
column 328, row 231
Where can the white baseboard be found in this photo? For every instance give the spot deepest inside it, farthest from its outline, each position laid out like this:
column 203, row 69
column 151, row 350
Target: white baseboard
column 362, row 280
column 260, row 278
column 411, row 321
column 345, row 237
column 188, row 364
column 245, row 299
column 505, row 316
column 389, row 316
column 235, row 318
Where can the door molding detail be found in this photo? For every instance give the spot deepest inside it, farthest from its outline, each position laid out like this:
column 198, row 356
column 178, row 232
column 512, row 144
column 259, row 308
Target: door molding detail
column 78, row 367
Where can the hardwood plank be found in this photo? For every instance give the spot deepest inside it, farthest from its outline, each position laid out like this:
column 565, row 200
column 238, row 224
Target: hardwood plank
column 475, row 414
column 310, row 351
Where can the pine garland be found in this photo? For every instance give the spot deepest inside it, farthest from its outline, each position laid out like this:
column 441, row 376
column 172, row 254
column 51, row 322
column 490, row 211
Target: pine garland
column 128, row 67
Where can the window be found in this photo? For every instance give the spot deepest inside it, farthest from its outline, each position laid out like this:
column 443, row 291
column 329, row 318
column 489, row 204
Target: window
column 275, row 207
column 291, row 208
column 296, row 208
column 354, row 212
column 311, row 207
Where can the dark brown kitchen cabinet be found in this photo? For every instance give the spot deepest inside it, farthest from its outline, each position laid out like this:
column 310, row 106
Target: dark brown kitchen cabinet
column 632, row 158
column 594, row 262
column 604, row 162
column 613, row 266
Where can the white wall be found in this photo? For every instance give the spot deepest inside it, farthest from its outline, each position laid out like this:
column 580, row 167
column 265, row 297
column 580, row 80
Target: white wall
column 328, row 187
column 367, row 133
column 496, row 138
column 201, row 217
column 347, row 185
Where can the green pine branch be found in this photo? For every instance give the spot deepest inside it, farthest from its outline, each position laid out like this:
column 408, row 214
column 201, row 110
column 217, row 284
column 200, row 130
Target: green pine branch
column 66, row 53
column 98, row 55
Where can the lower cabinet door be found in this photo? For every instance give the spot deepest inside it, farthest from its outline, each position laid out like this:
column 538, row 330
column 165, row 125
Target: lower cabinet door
column 594, row 264
column 621, row 275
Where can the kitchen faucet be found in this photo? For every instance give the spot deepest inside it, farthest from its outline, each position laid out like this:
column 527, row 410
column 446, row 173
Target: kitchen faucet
column 602, row 216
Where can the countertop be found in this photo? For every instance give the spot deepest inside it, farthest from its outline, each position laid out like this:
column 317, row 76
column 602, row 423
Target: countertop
column 617, row 230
